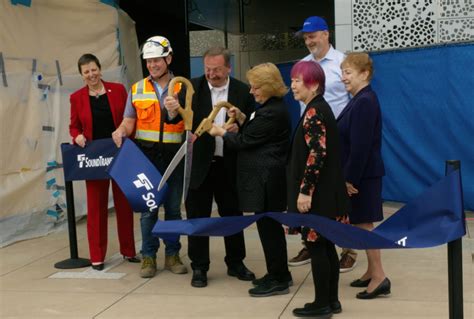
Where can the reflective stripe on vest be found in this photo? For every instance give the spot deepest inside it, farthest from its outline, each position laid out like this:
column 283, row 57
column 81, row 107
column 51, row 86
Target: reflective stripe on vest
column 148, row 109
column 154, row 136
column 140, row 95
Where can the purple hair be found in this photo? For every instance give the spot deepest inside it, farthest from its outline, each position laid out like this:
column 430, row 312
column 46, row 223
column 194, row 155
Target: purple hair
column 311, row 73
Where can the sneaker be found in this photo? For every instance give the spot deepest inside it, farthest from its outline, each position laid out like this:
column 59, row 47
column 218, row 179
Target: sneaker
column 302, row 258
column 148, row 269
column 270, row 288
column 175, row 265
column 347, row 263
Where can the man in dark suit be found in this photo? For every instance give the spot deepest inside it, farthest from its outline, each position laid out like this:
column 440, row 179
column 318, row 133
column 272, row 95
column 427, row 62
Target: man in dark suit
column 213, row 173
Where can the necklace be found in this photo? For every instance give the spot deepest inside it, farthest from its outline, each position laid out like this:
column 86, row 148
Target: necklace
column 97, row 93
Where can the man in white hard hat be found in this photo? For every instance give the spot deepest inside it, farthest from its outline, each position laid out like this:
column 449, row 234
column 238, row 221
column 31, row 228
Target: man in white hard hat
column 159, row 135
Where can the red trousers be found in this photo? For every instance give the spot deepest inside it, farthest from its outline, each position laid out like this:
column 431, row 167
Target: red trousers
column 97, row 216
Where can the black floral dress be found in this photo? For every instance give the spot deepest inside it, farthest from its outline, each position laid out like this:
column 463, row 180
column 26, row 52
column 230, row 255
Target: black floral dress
column 315, row 138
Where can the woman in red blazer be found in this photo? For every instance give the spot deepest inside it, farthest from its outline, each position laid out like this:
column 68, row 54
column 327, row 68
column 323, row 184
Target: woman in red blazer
column 96, row 111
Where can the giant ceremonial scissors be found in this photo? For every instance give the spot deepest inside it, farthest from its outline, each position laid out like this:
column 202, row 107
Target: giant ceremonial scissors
column 186, row 150
column 204, row 126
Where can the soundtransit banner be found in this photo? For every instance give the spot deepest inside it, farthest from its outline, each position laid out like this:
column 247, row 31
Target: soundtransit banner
column 90, row 162
column 137, row 177
column 434, row 218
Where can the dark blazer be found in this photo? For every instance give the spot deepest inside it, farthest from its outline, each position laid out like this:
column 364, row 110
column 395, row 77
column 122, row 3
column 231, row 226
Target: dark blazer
column 360, row 131
column 262, row 145
column 204, row 146
column 330, row 197
column 81, row 114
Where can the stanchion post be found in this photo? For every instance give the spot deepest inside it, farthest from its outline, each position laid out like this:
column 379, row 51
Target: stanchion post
column 74, row 261
column 455, row 281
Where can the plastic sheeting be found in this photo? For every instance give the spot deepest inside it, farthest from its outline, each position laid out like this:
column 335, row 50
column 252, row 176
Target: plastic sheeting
column 34, row 102
column 32, row 197
column 426, row 96
column 57, row 30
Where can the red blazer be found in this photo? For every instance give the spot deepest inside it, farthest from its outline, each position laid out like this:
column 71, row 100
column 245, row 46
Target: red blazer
column 81, row 115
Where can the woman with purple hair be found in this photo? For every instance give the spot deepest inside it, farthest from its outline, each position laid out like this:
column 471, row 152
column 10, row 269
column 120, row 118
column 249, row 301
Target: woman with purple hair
column 316, row 184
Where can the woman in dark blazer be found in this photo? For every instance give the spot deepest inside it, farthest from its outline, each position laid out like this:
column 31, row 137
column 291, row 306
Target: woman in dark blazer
column 360, row 130
column 262, row 145
column 316, row 184
column 96, row 111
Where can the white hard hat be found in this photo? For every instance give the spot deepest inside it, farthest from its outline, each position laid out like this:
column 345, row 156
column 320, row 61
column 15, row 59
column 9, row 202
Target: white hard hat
column 156, row 47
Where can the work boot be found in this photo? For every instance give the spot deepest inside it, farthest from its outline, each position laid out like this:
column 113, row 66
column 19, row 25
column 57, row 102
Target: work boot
column 175, row 265
column 148, row 267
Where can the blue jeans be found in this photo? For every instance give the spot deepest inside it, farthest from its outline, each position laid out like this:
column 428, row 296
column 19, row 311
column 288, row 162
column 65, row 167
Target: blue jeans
column 171, row 204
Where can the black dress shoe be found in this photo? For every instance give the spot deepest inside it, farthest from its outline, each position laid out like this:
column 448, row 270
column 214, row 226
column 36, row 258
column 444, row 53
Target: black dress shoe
column 199, row 279
column 267, row 277
column 360, row 283
column 270, row 288
column 382, row 289
column 335, row 306
column 132, row 259
column 98, row 267
column 241, row 272
column 321, row 312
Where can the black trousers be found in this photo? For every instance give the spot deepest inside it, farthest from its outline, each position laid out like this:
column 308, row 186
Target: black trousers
column 325, row 269
column 199, row 204
column 272, row 237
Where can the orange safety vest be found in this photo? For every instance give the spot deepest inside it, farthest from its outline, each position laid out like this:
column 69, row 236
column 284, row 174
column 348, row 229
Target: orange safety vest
column 149, row 119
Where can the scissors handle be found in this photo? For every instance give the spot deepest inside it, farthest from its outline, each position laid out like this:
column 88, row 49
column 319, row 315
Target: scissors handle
column 187, row 112
column 206, row 123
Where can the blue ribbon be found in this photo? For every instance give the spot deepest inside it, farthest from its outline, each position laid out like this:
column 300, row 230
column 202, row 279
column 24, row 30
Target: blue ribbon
column 433, row 218
column 137, row 177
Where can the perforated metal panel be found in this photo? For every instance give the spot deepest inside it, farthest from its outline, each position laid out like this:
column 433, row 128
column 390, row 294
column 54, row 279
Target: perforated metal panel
column 408, row 23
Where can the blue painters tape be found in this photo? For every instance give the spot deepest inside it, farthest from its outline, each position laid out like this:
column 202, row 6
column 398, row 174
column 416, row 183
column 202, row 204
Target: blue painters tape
column 50, row 182
column 26, row 3
column 52, row 164
column 113, row 3
column 52, row 213
column 56, row 194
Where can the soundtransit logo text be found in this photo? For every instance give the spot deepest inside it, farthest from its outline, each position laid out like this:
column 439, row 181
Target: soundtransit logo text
column 85, row 162
column 149, row 197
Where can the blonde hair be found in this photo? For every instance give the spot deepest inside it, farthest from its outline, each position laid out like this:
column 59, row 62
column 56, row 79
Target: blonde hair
column 359, row 61
column 268, row 78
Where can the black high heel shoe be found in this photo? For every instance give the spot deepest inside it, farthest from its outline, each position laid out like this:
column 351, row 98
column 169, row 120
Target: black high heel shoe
column 360, row 283
column 132, row 259
column 98, row 267
column 382, row 289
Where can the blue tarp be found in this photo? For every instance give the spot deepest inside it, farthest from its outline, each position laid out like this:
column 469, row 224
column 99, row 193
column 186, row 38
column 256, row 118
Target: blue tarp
column 426, row 96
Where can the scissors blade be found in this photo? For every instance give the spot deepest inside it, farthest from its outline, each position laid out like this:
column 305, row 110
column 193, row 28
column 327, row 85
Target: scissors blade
column 172, row 165
column 188, row 162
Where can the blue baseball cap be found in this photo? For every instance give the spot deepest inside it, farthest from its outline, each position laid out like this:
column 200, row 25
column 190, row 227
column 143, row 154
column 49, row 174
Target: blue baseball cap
column 313, row 24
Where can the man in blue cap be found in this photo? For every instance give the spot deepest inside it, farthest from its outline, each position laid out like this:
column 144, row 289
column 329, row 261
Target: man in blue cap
column 315, row 33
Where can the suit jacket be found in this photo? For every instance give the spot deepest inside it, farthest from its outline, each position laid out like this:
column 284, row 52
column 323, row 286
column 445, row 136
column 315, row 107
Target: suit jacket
column 81, row 114
column 263, row 144
column 204, row 146
column 360, row 130
column 330, row 197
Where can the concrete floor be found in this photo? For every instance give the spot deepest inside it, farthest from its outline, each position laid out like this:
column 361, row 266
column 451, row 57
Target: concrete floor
column 30, row 286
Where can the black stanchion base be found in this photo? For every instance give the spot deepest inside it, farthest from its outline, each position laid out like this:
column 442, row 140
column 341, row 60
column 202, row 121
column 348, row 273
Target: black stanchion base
column 73, row 263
